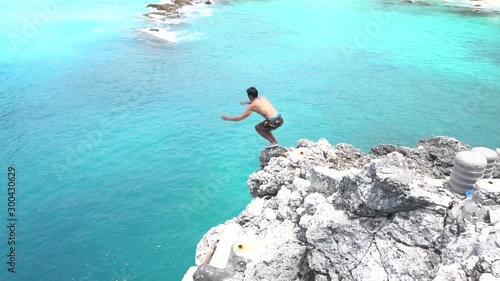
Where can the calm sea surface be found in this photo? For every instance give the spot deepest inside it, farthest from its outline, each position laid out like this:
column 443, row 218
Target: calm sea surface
column 121, row 157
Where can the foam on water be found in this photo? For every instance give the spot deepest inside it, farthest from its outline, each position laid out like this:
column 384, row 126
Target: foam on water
column 187, row 14
column 169, row 36
column 201, row 10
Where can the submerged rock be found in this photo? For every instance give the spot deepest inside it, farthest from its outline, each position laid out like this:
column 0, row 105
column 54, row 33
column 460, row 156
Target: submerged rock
column 323, row 212
column 170, row 10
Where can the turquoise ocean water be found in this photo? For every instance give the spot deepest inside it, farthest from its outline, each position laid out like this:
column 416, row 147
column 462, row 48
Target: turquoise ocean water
column 122, row 159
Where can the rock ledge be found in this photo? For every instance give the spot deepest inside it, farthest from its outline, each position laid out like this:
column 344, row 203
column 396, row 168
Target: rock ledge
column 323, row 212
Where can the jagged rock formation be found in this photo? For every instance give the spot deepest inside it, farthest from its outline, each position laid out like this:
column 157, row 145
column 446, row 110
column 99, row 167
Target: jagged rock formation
column 323, row 212
column 171, row 10
column 496, row 173
column 466, row 7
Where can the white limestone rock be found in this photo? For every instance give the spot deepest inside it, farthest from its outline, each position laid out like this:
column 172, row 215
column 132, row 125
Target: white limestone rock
column 324, row 180
column 330, row 213
column 189, row 274
column 452, row 272
column 268, row 181
column 206, row 246
column 488, row 277
column 370, row 268
column 227, row 238
column 496, row 172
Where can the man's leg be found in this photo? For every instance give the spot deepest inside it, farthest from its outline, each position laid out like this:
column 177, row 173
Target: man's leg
column 276, row 125
column 265, row 134
column 272, row 137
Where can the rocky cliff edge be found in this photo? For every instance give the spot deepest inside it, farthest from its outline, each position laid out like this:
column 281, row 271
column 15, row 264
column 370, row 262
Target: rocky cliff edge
column 323, row 212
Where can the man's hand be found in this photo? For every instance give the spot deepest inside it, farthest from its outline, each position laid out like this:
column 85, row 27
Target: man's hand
column 240, row 117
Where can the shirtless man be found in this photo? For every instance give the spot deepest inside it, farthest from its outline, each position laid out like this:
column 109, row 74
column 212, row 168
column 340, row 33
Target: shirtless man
column 262, row 106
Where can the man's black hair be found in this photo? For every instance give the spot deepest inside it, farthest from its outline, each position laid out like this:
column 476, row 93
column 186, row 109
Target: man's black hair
column 252, row 92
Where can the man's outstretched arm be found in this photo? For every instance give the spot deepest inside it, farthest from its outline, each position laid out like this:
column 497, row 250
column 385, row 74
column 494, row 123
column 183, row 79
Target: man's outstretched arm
column 242, row 116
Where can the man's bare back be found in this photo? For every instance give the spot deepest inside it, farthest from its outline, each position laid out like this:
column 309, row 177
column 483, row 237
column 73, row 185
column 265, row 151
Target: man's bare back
column 262, row 106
